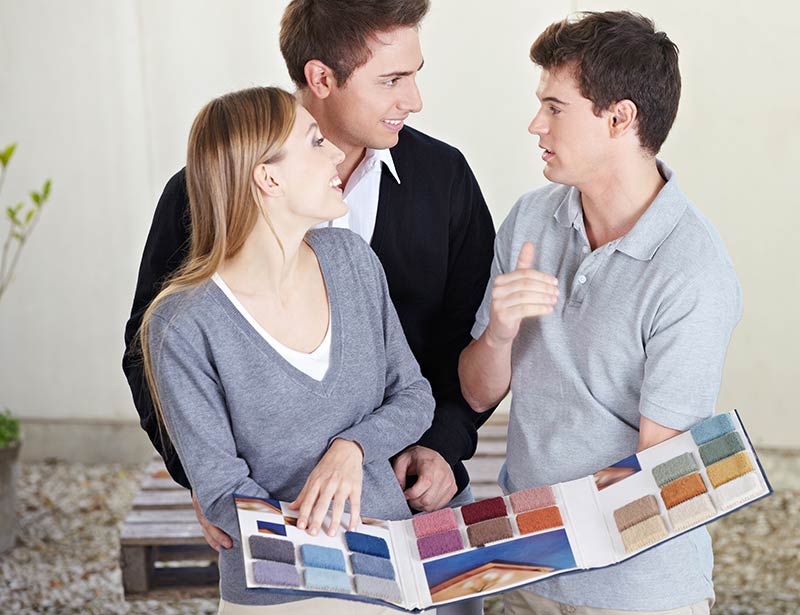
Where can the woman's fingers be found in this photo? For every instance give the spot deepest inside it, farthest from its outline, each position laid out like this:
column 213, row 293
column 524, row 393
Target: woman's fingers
column 336, row 478
column 355, row 507
column 321, row 507
column 306, row 500
column 336, row 514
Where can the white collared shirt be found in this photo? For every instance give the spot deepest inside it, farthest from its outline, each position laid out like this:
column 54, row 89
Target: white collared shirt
column 361, row 194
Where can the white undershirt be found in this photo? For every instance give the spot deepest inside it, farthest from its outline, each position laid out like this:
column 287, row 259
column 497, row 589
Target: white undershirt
column 314, row 364
column 362, row 192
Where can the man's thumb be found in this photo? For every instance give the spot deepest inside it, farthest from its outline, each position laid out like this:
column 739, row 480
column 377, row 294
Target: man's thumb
column 526, row 256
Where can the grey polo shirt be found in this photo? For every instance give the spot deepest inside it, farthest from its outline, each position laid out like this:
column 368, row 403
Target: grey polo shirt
column 641, row 328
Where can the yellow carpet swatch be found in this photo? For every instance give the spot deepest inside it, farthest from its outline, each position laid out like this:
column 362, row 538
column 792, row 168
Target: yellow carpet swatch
column 726, row 470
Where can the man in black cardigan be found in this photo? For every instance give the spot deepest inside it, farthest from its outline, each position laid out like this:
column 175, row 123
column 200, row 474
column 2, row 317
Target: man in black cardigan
column 432, row 230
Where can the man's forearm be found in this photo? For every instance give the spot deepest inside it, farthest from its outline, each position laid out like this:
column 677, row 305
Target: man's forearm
column 651, row 433
column 485, row 372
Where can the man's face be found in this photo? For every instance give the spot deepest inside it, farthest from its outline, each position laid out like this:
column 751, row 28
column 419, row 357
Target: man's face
column 575, row 140
column 372, row 106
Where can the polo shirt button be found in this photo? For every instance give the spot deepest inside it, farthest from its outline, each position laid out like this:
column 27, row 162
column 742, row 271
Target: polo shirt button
column 582, row 279
column 585, row 249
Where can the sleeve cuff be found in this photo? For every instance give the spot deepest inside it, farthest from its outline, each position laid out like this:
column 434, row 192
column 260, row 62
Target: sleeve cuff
column 478, row 328
column 681, row 420
column 358, row 434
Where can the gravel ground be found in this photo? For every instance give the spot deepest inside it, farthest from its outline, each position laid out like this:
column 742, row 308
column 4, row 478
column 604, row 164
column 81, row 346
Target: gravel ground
column 66, row 558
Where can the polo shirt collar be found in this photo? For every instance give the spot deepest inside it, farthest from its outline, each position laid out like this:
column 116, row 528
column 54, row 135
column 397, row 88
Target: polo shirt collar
column 570, row 208
column 384, row 156
column 658, row 221
column 650, row 231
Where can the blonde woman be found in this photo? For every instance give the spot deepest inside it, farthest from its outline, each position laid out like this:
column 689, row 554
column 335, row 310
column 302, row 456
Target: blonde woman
column 275, row 357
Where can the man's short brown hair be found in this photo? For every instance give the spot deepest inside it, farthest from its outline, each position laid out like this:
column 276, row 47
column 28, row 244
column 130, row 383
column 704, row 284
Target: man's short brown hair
column 336, row 32
column 618, row 55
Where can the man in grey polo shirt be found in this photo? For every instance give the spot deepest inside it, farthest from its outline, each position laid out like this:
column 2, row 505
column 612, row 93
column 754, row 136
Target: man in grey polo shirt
column 611, row 334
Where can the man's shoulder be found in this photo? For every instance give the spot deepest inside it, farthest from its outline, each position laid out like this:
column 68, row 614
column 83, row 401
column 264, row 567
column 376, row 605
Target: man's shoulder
column 696, row 244
column 411, row 138
column 549, row 196
column 417, row 147
column 173, row 205
column 176, row 186
column 538, row 204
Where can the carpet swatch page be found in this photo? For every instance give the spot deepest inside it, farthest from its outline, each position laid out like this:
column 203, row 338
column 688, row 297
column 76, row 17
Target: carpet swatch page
column 505, row 542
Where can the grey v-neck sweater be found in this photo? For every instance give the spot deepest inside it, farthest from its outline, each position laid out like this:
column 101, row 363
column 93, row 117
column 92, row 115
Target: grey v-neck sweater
column 244, row 420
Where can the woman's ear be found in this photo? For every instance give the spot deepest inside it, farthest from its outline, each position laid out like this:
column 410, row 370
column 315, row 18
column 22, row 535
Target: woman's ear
column 264, row 177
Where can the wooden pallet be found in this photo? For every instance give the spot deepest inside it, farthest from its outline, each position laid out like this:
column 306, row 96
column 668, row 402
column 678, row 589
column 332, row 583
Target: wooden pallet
column 163, row 554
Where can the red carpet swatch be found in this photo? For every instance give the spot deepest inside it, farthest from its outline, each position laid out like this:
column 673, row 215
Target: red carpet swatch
column 483, row 510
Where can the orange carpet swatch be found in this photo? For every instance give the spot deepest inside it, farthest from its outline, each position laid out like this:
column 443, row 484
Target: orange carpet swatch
column 683, row 489
column 538, row 520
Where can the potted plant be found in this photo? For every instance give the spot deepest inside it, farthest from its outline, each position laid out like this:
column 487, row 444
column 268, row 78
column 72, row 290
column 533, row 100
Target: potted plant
column 22, row 220
column 9, row 453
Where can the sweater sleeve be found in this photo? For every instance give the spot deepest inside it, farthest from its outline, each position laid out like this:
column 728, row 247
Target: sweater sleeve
column 453, row 433
column 407, row 406
column 166, row 247
column 198, row 421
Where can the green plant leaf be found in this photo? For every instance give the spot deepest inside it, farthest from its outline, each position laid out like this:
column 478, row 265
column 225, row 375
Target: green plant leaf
column 9, row 429
column 12, row 212
column 29, row 215
column 46, row 189
column 36, row 197
column 5, row 155
column 18, row 236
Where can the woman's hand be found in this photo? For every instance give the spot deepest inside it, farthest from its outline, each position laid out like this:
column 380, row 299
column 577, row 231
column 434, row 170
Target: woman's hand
column 338, row 477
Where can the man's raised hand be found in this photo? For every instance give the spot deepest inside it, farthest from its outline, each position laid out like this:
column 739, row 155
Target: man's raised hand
column 522, row 293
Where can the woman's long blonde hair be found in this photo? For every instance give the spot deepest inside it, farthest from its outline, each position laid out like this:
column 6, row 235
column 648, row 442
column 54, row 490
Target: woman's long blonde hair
column 230, row 136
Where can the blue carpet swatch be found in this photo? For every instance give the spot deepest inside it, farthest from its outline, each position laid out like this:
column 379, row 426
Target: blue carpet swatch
column 364, row 543
column 378, row 588
column 712, row 428
column 327, row 580
column 322, row 557
column 275, row 573
column 372, row 566
column 273, row 549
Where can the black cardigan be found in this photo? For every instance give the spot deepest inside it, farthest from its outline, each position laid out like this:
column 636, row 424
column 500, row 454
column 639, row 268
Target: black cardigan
column 434, row 237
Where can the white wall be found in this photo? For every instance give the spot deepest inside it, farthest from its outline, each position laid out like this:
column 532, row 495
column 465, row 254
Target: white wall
column 100, row 96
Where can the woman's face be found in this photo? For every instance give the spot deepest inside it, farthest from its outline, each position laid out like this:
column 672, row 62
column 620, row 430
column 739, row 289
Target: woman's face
column 306, row 174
